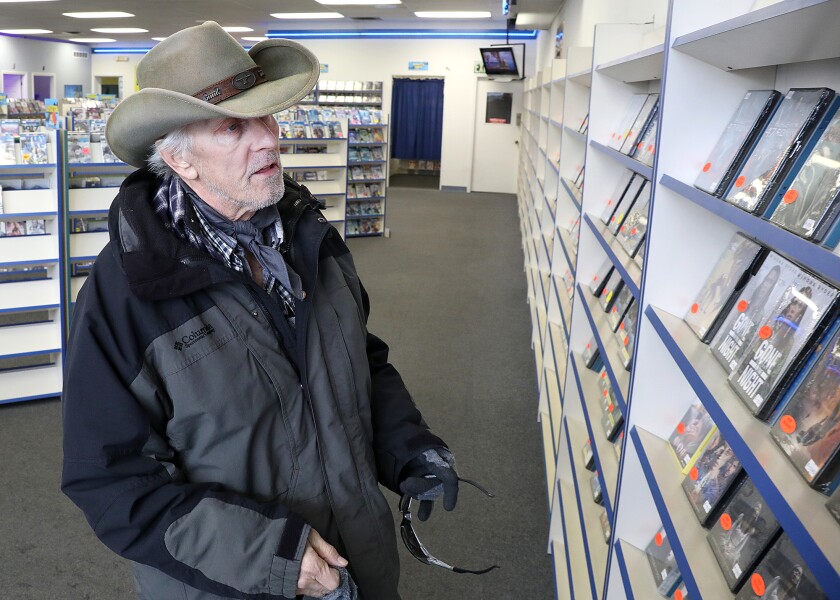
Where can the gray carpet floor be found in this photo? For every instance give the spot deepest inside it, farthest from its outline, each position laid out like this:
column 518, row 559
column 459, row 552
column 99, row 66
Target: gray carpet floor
column 448, row 295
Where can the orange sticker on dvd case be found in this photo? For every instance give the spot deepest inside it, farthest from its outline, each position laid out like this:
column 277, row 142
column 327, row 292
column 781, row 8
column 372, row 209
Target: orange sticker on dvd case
column 706, row 167
column 790, row 196
column 765, row 332
column 757, row 583
column 694, row 308
column 787, row 424
column 726, row 522
column 740, row 181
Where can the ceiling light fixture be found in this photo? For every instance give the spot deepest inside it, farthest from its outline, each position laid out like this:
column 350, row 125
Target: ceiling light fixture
column 98, row 15
column 453, row 14
column 159, row 39
column 237, row 29
column 356, row 2
column 24, row 31
column 309, row 15
column 120, row 30
column 91, row 40
column 254, row 39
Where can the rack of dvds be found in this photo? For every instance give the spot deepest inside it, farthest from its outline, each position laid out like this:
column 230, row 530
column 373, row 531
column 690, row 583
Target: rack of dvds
column 92, row 177
column 367, row 178
column 31, row 278
column 705, row 315
column 349, row 93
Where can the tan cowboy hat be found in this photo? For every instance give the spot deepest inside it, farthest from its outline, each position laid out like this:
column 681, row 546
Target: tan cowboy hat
column 203, row 73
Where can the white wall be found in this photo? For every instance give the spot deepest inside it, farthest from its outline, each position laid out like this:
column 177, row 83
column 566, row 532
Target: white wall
column 380, row 60
column 41, row 56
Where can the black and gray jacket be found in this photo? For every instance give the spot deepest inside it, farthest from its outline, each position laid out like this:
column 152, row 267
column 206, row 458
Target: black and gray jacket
column 203, row 436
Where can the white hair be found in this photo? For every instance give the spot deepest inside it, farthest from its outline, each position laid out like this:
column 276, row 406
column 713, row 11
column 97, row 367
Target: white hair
column 175, row 143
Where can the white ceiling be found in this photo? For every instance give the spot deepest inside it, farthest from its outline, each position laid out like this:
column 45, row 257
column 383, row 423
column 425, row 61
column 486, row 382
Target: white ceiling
column 164, row 17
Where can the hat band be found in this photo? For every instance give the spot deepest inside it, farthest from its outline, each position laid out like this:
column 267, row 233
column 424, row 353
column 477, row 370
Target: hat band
column 231, row 86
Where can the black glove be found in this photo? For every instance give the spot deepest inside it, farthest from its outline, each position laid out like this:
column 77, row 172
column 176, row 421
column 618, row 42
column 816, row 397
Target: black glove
column 427, row 476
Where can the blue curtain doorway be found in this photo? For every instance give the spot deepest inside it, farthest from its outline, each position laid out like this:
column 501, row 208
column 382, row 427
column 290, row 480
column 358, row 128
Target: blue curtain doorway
column 416, row 132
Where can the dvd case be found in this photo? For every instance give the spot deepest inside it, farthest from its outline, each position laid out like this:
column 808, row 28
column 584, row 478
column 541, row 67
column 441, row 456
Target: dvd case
column 640, row 125
column 749, row 309
column 638, row 188
column 78, row 147
column 634, row 106
column 33, row 148
column 611, row 290
column 783, row 341
column 808, row 203
column 631, row 234
column 591, row 352
column 622, row 301
column 782, row 575
column 663, row 564
column 606, row 530
column 595, row 488
column 745, row 529
column 799, row 115
column 739, row 261
column 737, row 139
column 611, row 421
column 627, row 334
column 645, row 148
column 808, row 425
column 691, row 435
column 713, row 475
column 588, row 456
column 8, row 156
column 599, row 280
column 611, row 203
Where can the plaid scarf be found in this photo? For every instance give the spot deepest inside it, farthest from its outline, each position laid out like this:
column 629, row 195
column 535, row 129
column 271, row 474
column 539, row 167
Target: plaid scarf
column 170, row 205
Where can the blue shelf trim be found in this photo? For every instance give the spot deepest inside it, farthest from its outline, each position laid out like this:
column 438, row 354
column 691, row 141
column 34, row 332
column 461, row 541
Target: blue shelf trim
column 632, row 164
column 565, row 537
column 616, row 260
column 357, row 199
column 665, row 517
column 557, row 379
column 359, row 217
column 305, row 140
column 26, row 215
column 571, row 192
column 362, row 162
column 784, row 512
column 26, row 263
column 6, row 169
column 554, row 167
column 619, row 393
column 32, row 353
column 566, row 328
column 19, row 309
column 357, row 181
column 92, row 212
column 359, row 235
column 556, row 123
column 562, row 235
column 604, row 492
column 580, row 513
column 575, row 134
column 622, row 568
column 366, row 125
column 808, row 254
column 28, row 398
column 287, row 168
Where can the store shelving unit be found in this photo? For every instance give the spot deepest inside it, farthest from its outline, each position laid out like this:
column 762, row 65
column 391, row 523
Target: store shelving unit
column 713, row 53
column 327, row 94
column 365, row 215
column 31, row 310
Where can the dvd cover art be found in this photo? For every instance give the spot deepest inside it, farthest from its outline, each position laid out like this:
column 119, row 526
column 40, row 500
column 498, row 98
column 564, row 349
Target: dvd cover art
column 712, row 476
column 809, row 205
column 663, row 564
column 627, row 334
column 611, row 290
column 749, row 309
column 606, row 530
column 808, row 426
column 728, row 276
column 782, row 575
column 611, row 421
column 645, row 148
column 691, row 435
column 607, row 398
column 599, row 280
column 782, row 341
column 622, row 301
column 8, row 156
column 36, row 227
column 640, row 125
column 734, row 144
column 591, row 352
column 78, row 147
column 634, row 106
column 588, row 456
column 742, row 533
column 627, row 203
column 33, row 148
column 611, row 203
column 108, row 155
column 631, row 234
column 595, row 488
column 781, row 143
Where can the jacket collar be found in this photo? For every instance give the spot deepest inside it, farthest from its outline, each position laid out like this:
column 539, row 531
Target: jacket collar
column 161, row 265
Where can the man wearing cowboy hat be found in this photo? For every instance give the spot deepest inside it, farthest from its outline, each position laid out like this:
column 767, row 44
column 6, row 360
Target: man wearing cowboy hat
column 227, row 415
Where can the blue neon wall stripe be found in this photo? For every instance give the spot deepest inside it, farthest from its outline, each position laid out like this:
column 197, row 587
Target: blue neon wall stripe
column 405, row 33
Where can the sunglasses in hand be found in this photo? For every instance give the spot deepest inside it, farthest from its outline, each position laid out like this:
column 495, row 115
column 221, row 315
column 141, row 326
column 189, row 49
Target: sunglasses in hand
column 418, row 550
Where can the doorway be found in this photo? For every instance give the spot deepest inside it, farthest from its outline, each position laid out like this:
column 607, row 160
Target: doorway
column 14, row 85
column 43, row 86
column 416, row 132
column 108, row 85
column 498, row 107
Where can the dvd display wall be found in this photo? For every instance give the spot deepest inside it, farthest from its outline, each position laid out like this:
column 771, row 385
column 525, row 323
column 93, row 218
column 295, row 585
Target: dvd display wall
column 705, row 479
column 367, row 179
column 31, row 258
column 329, row 92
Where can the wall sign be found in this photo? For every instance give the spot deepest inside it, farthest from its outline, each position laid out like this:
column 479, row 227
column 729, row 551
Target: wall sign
column 416, row 65
column 325, row 68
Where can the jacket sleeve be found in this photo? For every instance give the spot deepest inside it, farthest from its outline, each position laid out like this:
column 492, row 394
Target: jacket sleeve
column 119, row 470
column 399, row 431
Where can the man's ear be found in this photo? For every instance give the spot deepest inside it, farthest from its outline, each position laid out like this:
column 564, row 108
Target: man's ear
column 180, row 163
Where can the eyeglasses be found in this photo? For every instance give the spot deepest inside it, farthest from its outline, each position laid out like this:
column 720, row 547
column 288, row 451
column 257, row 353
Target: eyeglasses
column 416, row 547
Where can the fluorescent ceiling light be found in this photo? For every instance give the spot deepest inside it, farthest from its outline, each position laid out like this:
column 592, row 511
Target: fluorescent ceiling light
column 237, row 29
column 159, row 39
column 91, row 40
column 356, row 2
column 255, row 39
column 120, row 30
column 98, row 15
column 453, row 14
column 27, row 1
column 24, row 31
column 308, row 15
